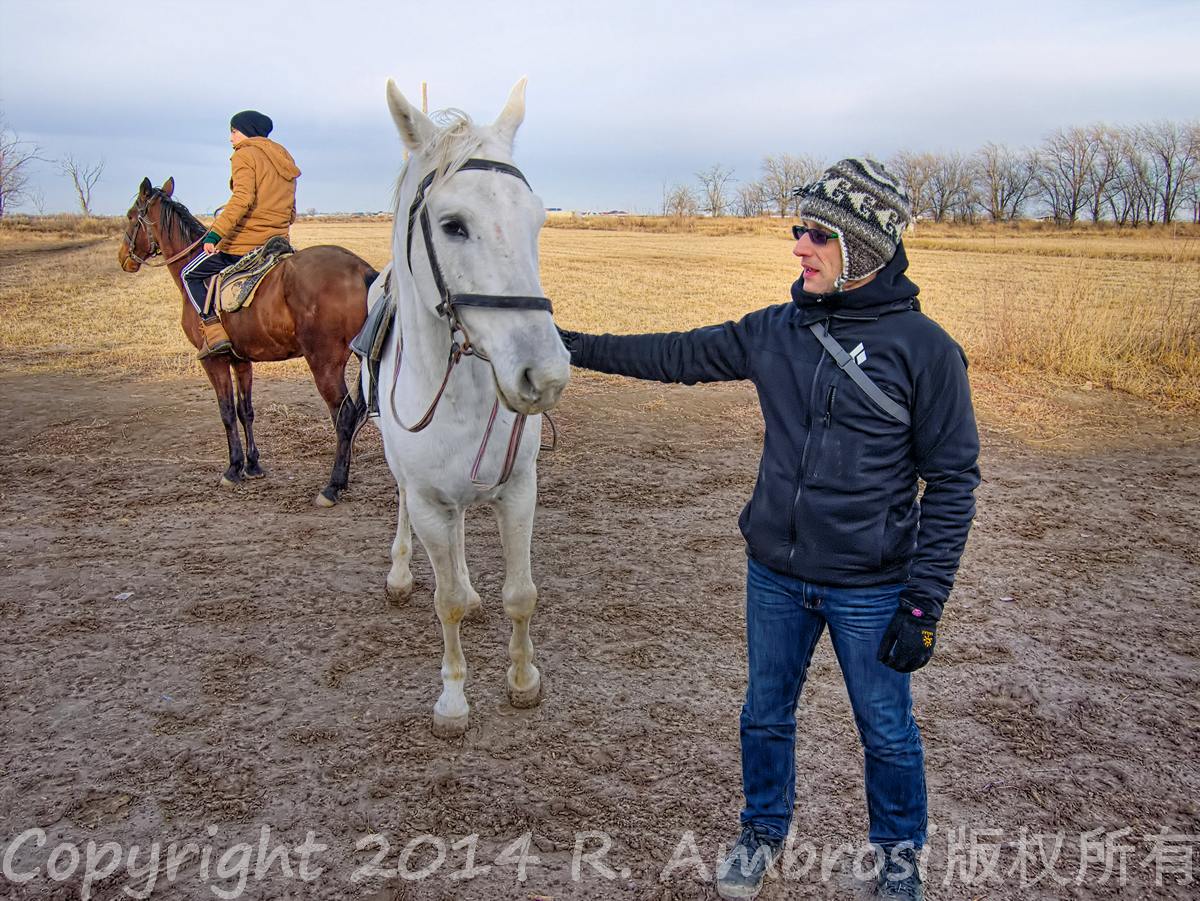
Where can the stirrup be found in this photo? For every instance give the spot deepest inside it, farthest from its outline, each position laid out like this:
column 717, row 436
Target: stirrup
column 221, row 347
column 216, row 340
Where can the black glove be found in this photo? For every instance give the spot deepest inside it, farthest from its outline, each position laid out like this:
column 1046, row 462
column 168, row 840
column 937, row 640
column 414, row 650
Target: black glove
column 909, row 639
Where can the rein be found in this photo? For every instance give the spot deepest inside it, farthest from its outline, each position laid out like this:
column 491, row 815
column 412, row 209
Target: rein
column 447, row 307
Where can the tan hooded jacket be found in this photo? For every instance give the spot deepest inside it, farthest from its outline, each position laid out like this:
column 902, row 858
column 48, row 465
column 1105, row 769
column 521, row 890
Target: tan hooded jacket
column 264, row 196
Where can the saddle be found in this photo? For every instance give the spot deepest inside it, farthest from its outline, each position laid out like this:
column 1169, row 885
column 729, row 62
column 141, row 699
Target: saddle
column 368, row 344
column 234, row 286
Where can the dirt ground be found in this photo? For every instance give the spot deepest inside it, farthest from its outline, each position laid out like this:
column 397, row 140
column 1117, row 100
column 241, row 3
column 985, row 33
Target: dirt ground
column 182, row 664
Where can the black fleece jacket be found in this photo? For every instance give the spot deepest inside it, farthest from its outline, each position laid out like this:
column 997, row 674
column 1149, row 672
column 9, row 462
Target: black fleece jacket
column 836, row 498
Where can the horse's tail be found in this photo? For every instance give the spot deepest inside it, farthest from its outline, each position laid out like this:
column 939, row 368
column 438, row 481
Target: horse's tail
column 369, row 277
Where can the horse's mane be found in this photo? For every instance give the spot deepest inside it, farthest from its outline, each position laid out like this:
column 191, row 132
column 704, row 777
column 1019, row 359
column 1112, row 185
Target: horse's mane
column 175, row 218
column 456, row 141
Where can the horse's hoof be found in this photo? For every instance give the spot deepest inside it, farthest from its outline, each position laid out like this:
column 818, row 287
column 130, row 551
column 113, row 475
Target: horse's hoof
column 227, row 482
column 256, row 473
column 322, row 501
column 397, row 595
column 523, row 699
column 449, row 727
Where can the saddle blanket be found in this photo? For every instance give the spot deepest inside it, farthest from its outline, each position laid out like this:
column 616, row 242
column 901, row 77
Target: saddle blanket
column 235, row 286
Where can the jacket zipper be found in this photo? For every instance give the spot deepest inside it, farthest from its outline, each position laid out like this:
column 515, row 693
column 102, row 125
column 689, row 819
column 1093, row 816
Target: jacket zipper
column 829, row 405
column 812, row 405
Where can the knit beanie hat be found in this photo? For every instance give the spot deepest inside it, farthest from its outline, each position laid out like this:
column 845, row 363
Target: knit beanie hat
column 861, row 201
column 252, row 123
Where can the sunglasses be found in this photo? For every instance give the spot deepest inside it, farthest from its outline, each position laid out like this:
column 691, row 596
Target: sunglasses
column 818, row 237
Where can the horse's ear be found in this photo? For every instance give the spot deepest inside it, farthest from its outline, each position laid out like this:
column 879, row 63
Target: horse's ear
column 513, row 114
column 415, row 128
column 168, row 187
column 145, row 188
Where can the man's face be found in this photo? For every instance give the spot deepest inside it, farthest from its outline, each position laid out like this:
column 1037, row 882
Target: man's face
column 235, row 137
column 822, row 264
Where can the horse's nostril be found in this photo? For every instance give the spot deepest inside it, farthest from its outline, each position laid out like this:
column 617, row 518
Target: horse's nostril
column 528, row 388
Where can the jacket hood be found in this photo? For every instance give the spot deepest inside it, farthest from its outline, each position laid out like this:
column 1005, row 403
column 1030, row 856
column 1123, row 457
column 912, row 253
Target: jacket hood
column 889, row 292
column 275, row 153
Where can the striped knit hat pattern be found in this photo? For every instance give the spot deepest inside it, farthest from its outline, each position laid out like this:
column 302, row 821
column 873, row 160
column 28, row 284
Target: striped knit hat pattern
column 865, row 204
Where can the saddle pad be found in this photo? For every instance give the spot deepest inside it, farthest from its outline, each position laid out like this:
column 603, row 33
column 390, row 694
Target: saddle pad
column 236, row 285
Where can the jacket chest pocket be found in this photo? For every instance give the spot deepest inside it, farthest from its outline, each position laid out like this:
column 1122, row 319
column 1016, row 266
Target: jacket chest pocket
column 833, row 454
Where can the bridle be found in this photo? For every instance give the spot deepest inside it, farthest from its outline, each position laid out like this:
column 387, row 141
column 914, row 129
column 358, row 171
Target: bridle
column 448, row 308
column 130, row 237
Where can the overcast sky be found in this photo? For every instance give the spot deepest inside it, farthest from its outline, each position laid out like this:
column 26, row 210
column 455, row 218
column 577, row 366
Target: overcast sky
column 624, row 95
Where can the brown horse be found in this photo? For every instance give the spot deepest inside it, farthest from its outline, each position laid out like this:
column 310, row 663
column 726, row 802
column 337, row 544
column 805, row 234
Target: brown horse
column 311, row 305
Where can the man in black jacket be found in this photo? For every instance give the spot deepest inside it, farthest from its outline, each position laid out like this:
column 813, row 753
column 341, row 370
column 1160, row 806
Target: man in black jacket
column 861, row 395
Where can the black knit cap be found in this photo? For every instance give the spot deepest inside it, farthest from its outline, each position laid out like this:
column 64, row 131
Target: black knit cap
column 252, row 123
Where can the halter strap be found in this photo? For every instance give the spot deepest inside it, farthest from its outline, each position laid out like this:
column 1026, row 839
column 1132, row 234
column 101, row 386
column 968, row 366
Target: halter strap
column 449, row 301
column 143, row 221
column 446, row 307
column 473, row 163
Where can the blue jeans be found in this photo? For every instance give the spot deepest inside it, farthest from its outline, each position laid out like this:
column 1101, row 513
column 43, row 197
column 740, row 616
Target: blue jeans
column 784, row 620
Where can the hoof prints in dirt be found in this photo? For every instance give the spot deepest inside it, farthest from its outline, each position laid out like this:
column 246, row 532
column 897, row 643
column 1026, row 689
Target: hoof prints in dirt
column 253, row 676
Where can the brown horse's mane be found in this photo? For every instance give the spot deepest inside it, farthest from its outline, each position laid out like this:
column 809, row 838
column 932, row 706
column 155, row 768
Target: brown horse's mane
column 175, row 218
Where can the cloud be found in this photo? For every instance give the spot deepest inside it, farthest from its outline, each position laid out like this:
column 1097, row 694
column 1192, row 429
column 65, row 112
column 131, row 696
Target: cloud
column 622, row 96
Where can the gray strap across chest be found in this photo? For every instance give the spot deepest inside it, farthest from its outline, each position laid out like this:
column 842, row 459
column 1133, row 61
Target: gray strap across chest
column 848, row 365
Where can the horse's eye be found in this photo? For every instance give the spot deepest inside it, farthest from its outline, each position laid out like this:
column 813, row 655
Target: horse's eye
column 454, row 228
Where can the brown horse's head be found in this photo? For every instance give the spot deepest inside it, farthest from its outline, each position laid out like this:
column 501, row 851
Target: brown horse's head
column 143, row 230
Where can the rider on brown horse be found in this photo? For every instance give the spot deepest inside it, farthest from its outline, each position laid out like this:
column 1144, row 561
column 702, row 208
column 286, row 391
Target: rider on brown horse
column 263, row 205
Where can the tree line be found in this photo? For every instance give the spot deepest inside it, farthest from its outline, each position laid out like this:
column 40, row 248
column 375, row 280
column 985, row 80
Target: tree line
column 1131, row 175
column 17, row 158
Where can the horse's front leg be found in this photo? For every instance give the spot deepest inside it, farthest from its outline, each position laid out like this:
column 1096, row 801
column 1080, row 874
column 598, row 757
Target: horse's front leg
column 217, row 369
column 440, row 528
column 514, row 511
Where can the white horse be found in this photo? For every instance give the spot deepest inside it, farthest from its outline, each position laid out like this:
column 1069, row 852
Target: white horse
column 465, row 276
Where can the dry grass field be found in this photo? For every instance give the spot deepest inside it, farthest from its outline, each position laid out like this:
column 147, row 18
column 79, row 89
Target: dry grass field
column 1044, row 315
column 176, row 658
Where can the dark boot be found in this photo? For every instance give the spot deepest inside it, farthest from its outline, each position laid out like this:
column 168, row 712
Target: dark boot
column 899, row 877
column 753, row 858
column 215, row 339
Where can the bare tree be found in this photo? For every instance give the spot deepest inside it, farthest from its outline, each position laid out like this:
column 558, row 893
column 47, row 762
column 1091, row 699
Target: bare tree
column 782, row 174
column 714, row 183
column 1134, row 193
column 1066, row 161
column 1193, row 189
column 805, row 169
column 750, row 200
column 16, row 167
column 679, row 202
column 1003, row 179
column 949, row 187
column 914, row 171
column 84, row 177
column 1173, row 154
column 1102, row 175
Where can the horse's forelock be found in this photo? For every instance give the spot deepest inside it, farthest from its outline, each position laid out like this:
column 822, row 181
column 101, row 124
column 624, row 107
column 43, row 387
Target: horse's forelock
column 456, row 141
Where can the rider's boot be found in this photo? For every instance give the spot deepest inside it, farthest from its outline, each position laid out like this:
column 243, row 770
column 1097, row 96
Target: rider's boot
column 216, row 341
